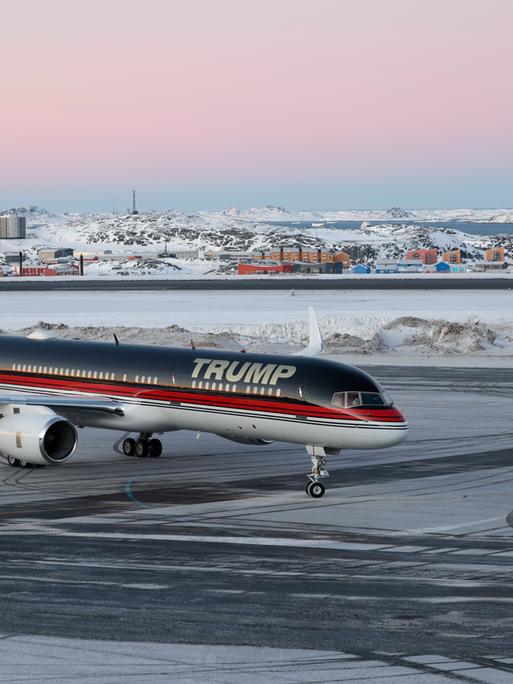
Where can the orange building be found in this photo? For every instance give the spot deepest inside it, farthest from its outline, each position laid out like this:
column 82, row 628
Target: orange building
column 255, row 269
column 494, row 254
column 427, row 256
column 307, row 255
column 453, row 256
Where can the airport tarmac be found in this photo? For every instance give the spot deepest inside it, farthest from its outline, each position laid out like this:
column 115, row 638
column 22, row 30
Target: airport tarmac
column 211, row 564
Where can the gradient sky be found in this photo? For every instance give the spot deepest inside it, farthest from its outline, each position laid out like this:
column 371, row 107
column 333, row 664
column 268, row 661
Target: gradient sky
column 214, row 103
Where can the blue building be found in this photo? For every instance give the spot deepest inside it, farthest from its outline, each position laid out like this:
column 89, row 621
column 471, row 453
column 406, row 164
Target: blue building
column 443, row 267
column 361, row 268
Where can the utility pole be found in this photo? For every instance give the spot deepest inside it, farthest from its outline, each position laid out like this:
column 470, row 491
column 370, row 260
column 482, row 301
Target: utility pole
column 21, row 263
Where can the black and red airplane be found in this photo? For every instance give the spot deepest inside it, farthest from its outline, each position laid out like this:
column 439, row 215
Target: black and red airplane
column 50, row 386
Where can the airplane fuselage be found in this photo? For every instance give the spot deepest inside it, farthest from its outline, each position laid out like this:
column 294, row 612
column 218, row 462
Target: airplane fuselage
column 241, row 396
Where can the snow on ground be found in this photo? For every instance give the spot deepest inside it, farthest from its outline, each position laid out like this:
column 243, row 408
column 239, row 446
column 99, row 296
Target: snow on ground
column 370, row 326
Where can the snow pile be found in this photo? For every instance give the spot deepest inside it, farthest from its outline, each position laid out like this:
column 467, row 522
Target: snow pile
column 172, row 335
column 376, row 335
column 437, row 336
column 408, row 335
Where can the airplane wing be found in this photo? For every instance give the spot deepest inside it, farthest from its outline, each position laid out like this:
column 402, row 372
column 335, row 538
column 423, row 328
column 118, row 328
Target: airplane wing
column 64, row 403
column 315, row 344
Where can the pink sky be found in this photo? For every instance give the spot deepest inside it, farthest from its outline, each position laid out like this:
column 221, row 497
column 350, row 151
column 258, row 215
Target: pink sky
column 310, row 94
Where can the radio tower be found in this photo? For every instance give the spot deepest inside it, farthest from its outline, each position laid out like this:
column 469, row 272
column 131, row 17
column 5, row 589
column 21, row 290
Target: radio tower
column 134, row 208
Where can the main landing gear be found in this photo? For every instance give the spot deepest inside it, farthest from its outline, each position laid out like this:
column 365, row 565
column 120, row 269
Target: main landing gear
column 318, row 456
column 18, row 462
column 144, row 446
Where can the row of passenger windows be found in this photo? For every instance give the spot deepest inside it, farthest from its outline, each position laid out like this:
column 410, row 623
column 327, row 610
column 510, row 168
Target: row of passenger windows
column 227, row 387
column 78, row 373
column 142, row 379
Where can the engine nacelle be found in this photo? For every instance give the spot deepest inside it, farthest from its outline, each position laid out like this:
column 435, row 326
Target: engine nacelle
column 36, row 434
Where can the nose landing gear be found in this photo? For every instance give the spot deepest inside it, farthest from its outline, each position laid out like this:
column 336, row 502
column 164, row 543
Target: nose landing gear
column 315, row 489
column 318, row 456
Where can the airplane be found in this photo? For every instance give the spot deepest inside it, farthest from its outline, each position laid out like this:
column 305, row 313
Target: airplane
column 51, row 386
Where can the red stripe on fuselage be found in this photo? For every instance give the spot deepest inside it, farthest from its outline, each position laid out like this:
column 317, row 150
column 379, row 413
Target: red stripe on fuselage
column 212, row 398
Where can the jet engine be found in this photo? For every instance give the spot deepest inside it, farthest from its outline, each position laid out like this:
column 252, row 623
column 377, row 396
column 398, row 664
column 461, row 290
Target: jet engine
column 36, row 434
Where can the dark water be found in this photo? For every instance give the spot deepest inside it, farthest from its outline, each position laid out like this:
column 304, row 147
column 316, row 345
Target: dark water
column 472, row 227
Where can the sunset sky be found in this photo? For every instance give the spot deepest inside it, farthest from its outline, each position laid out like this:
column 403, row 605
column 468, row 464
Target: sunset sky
column 214, row 103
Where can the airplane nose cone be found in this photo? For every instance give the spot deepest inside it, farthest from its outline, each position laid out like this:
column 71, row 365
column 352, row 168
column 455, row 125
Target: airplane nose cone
column 397, row 430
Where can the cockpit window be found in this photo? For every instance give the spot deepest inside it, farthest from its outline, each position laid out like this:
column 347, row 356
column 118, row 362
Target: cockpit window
column 361, row 399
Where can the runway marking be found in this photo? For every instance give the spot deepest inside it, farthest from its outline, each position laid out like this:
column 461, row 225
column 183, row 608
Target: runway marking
column 407, row 549
column 103, row 583
column 338, row 575
column 146, row 587
column 131, row 495
column 211, row 539
column 447, row 528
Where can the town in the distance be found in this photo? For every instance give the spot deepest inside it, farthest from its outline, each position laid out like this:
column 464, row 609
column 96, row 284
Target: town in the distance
column 264, row 241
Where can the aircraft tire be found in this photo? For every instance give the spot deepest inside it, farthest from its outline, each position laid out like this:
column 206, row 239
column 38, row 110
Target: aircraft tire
column 141, row 448
column 13, row 462
column 128, row 446
column 154, row 448
column 316, row 490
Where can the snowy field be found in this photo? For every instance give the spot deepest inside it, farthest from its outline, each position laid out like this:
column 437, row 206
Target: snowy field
column 354, row 323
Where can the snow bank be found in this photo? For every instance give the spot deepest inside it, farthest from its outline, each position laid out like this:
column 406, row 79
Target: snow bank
column 409, row 335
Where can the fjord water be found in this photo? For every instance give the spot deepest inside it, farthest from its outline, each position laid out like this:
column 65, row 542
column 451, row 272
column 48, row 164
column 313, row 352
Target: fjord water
column 472, row 227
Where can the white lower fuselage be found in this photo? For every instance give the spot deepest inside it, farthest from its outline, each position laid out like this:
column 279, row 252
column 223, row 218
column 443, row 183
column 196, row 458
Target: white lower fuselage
column 146, row 415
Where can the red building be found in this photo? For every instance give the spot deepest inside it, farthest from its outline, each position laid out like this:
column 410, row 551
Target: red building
column 253, row 269
column 427, row 256
column 37, row 271
column 56, row 270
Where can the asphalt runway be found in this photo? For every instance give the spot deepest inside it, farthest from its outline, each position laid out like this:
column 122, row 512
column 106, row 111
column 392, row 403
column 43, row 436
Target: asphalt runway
column 447, row 282
column 211, row 564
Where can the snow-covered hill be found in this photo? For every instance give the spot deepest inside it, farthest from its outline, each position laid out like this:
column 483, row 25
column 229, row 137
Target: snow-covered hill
column 253, row 230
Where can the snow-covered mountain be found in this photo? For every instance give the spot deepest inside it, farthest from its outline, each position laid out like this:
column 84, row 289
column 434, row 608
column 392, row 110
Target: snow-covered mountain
column 252, row 230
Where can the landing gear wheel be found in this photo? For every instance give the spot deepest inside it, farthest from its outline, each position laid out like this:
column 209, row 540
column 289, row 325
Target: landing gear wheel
column 128, row 446
column 13, row 462
column 315, row 489
column 154, row 448
column 24, row 464
column 141, row 448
